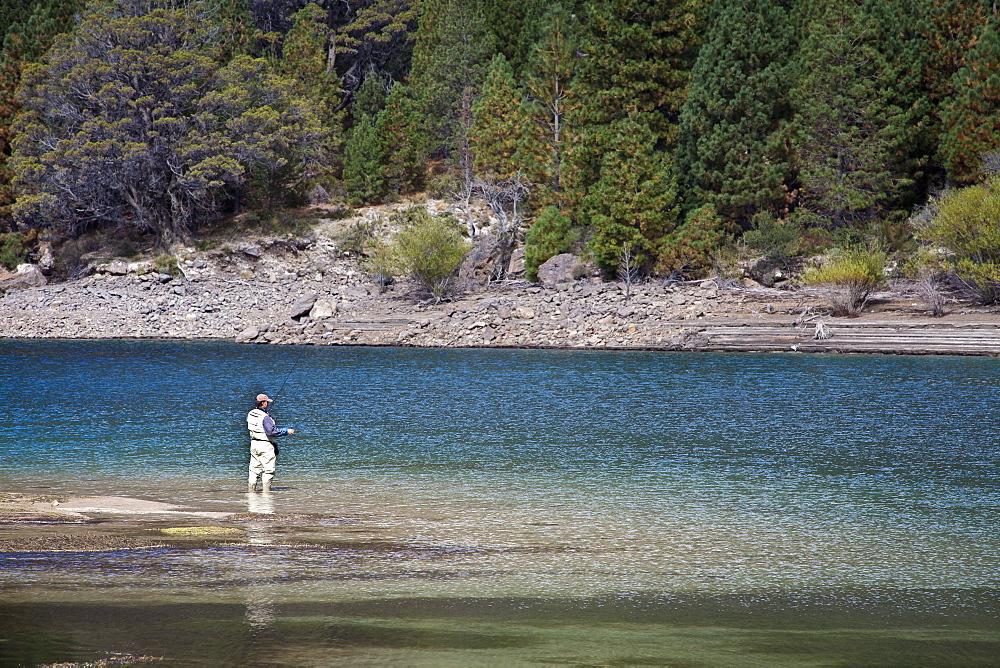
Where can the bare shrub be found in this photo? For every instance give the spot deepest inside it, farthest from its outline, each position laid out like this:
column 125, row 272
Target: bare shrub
column 504, row 197
column 628, row 269
column 929, row 289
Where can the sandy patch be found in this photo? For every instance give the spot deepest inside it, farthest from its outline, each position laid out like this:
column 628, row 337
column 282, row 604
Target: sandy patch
column 121, row 505
column 23, row 508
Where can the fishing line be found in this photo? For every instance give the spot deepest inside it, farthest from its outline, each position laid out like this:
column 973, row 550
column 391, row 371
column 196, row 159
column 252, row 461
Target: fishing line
column 295, row 363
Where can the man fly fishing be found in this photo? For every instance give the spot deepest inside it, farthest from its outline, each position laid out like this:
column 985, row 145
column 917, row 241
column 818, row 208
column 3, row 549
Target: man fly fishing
column 263, row 449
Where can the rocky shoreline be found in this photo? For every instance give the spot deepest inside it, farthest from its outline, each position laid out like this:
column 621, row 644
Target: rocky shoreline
column 305, row 290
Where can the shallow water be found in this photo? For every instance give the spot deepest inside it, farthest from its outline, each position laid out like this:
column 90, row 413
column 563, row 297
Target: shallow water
column 484, row 507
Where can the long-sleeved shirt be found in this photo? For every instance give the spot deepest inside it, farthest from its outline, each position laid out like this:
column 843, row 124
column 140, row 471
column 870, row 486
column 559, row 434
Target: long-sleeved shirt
column 272, row 429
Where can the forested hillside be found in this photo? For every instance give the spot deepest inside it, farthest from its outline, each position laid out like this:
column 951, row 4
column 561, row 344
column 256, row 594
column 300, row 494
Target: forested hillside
column 664, row 129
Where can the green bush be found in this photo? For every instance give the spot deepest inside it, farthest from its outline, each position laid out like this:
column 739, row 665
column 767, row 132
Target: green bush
column 966, row 224
column 773, row 238
column 689, row 250
column 380, row 264
column 550, row 235
column 849, row 279
column 13, row 250
column 430, row 249
column 166, row 264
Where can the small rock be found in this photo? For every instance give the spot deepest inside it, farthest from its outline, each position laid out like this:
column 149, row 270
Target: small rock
column 525, row 313
column 350, row 292
column 247, row 335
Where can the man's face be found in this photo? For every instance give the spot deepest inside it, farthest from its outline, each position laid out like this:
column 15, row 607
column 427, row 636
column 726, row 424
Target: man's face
column 265, row 405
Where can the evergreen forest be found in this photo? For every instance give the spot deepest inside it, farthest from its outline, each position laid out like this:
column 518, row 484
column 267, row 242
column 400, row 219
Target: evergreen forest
column 672, row 131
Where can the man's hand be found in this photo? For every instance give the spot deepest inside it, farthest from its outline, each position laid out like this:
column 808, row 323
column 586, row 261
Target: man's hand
column 291, row 431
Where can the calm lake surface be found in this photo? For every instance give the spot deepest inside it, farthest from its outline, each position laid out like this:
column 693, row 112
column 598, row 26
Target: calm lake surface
column 515, row 507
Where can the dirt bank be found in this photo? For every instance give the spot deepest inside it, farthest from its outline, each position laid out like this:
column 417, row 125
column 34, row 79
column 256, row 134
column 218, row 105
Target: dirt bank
column 304, row 289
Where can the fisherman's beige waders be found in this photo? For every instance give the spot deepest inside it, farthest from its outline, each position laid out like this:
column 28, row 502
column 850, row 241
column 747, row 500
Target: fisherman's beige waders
column 261, row 464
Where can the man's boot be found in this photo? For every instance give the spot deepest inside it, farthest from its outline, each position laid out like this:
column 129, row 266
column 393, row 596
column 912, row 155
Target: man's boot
column 252, row 485
column 267, row 484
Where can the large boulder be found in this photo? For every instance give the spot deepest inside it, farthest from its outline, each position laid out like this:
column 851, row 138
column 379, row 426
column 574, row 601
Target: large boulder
column 141, row 267
column 562, row 269
column 247, row 335
column 46, row 257
column 479, row 261
column 26, row 276
column 323, row 308
column 114, row 267
column 302, row 307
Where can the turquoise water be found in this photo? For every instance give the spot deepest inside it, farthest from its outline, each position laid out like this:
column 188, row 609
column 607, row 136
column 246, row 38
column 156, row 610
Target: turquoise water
column 516, row 507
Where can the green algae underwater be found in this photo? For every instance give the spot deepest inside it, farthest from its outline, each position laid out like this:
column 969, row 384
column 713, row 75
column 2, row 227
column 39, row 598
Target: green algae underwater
column 504, row 507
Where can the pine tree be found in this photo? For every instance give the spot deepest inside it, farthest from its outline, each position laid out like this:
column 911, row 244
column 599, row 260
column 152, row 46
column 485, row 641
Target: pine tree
column 971, row 119
column 633, row 201
column 950, row 29
column 304, row 58
column 377, row 37
column 365, row 149
column 364, row 157
column 634, row 74
column 551, row 82
column 731, row 153
column 372, row 97
column 515, row 28
column 11, row 12
column 895, row 31
column 846, row 122
column 639, row 55
column 453, row 48
column 499, row 123
column 688, row 249
column 235, row 20
column 397, row 125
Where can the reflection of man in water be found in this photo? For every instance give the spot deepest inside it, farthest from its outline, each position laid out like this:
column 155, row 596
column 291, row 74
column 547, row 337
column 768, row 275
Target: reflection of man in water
column 258, row 591
column 263, row 450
